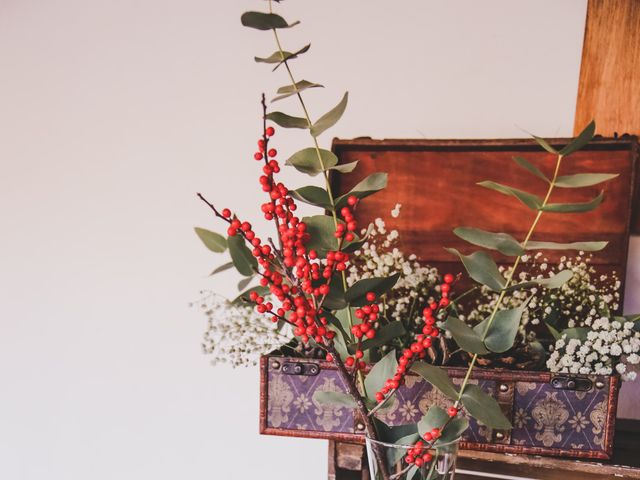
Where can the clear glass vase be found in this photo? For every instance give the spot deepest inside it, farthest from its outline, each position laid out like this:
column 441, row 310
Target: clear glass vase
column 439, row 463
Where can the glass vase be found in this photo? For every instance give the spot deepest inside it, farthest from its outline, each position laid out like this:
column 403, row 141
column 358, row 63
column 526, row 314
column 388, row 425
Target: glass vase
column 402, row 465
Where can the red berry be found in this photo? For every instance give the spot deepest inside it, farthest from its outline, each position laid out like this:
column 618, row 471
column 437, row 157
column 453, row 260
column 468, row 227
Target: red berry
column 257, row 156
column 349, row 237
column 352, row 200
column 359, row 354
column 427, row 457
column 379, row 397
column 453, row 411
column 371, row 296
column 270, row 131
column 349, row 361
column 418, row 461
column 272, row 152
column 448, row 278
column 226, row 213
column 428, row 436
column 445, row 288
column 329, row 357
column 435, row 433
column 370, row 334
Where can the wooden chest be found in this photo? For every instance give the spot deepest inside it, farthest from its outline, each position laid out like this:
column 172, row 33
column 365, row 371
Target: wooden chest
column 435, row 181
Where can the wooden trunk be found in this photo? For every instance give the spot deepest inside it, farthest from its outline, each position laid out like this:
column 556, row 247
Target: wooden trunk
column 436, row 183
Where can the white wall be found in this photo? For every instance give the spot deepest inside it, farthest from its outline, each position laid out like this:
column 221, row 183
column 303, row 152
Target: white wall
column 113, row 114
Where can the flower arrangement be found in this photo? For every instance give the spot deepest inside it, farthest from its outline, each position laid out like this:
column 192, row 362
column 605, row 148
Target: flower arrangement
column 308, row 281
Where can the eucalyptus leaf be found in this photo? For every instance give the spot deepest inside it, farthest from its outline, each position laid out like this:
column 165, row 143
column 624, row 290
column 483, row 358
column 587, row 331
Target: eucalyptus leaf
column 583, row 246
column 330, row 118
column 554, row 333
column 531, row 168
column 337, row 324
column 242, row 284
column 335, row 299
column 544, row 144
column 243, row 259
column 313, row 195
column 466, row 338
column 244, row 296
column 579, row 180
column 502, row 242
column 222, row 268
column 264, row 21
column 434, row 418
column 312, row 161
column 501, row 334
column 574, row 207
column 380, row 373
column 579, row 333
column 453, row 430
column 437, row 377
column 321, row 229
column 357, row 293
column 481, row 268
column 484, row 408
column 212, row 240
column 334, row 398
column 345, row 167
column 370, row 185
column 293, row 89
column 287, row 121
column 358, row 242
column 581, row 140
column 529, row 199
column 553, row 282
column 384, row 335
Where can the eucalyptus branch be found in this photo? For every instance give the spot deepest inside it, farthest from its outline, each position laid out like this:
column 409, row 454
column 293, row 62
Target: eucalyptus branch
column 510, row 276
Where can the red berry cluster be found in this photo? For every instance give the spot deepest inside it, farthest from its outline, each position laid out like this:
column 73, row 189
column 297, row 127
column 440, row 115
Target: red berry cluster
column 293, row 273
column 419, row 454
column 424, row 341
column 368, row 314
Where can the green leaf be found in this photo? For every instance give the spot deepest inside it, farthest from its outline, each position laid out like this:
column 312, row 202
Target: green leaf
column 484, row 408
column 334, row 398
column 554, row 333
column 321, row 228
column 394, row 434
column 281, row 57
column 481, row 268
column 242, row 284
column 383, row 336
column 244, row 296
column 583, row 179
column 453, row 430
column 212, row 240
column 345, row 167
column 544, row 144
column 313, row 196
column 330, row 118
column 307, row 161
column 243, row 259
column 380, row 373
column 370, row 185
column 531, row 168
column 556, row 281
column 581, row 140
column 336, row 323
column 264, row 21
column 584, row 246
column 503, row 329
column 287, row 121
column 222, row 268
column 356, row 294
column 434, row 418
column 502, row 242
column 466, row 338
column 300, row 86
column 437, row 377
column 574, row 207
column 529, row 199
column 335, row 299
column 579, row 333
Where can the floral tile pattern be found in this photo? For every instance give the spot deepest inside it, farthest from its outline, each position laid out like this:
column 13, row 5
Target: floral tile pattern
column 542, row 416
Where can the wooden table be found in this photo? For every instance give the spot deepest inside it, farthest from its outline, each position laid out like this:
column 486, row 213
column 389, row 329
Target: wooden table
column 348, row 462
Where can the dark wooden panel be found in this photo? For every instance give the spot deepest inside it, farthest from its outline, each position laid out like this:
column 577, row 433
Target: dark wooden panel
column 436, row 183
